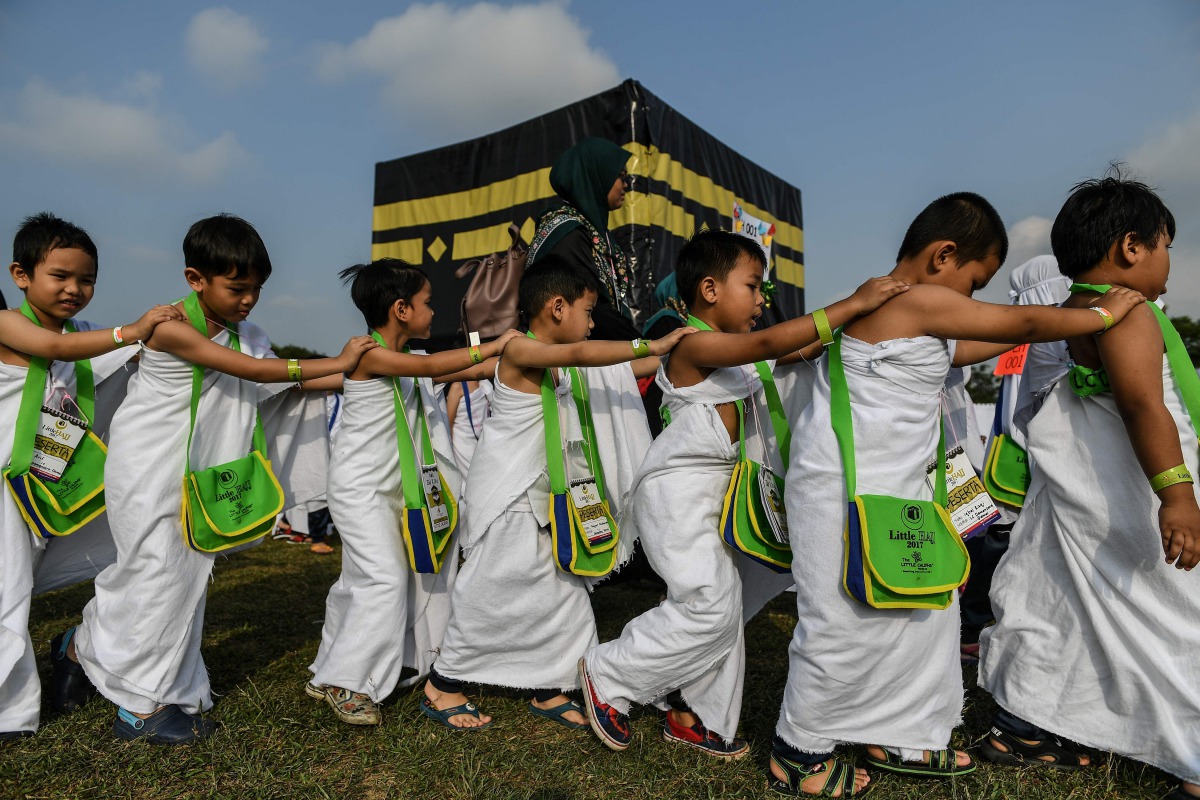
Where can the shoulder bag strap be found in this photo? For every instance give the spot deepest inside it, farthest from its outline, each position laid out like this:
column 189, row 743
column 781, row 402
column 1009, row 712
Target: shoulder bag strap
column 410, row 475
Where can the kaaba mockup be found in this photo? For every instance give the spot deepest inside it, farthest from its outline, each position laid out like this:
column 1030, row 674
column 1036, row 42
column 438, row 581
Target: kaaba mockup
column 440, row 208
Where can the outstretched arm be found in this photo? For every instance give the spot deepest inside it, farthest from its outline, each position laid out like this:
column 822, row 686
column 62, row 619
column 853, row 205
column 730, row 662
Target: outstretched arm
column 1132, row 355
column 21, row 335
column 447, row 364
column 526, row 353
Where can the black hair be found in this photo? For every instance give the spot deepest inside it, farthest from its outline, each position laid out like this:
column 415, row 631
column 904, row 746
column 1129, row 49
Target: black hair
column 964, row 218
column 711, row 254
column 1101, row 211
column 226, row 244
column 41, row 233
column 377, row 286
column 553, row 276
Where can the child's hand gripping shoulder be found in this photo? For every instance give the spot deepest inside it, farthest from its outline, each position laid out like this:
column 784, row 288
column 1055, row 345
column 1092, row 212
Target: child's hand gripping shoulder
column 1119, row 301
column 142, row 329
column 874, row 293
column 347, row 360
column 665, row 344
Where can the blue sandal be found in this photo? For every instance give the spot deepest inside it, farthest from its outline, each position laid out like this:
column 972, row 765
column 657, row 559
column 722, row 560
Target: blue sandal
column 556, row 714
column 443, row 716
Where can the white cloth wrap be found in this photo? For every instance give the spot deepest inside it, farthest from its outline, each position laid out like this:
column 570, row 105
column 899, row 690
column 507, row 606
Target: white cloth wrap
column 1096, row 637
column 694, row 640
column 1037, row 282
column 468, row 428
column 380, row 616
column 857, row 674
column 140, row 638
column 516, row 619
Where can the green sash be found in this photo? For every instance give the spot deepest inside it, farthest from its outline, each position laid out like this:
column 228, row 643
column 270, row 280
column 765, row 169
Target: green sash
column 753, row 515
column 426, row 547
column 235, row 502
column 900, row 553
column 576, row 551
column 56, row 508
column 1182, row 369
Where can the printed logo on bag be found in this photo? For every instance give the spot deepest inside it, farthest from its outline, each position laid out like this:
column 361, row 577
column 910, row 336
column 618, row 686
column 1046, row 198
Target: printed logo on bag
column 227, row 478
column 913, row 515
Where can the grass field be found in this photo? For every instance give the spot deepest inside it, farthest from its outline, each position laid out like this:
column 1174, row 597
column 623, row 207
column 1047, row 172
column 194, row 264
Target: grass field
column 262, row 629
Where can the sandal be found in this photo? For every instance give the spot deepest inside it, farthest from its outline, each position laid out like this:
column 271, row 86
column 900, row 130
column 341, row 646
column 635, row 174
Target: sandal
column 353, row 708
column 282, row 531
column 941, row 764
column 556, row 714
column 321, row 549
column 1021, row 754
column 839, row 782
column 443, row 716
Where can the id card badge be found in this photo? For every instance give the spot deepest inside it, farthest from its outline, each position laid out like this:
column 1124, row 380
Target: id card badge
column 968, row 502
column 586, row 497
column 772, row 503
column 57, row 437
column 431, row 482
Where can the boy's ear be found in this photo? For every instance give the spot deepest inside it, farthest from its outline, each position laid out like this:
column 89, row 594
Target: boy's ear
column 943, row 255
column 1128, row 250
column 558, row 308
column 19, row 275
column 194, row 278
column 399, row 310
column 707, row 290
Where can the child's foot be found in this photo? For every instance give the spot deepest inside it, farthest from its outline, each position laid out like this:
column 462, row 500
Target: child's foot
column 573, row 712
column 441, row 702
column 1004, row 748
column 70, row 687
column 685, row 728
column 1184, row 790
column 933, row 764
column 167, row 725
column 353, row 708
column 831, row 778
column 610, row 725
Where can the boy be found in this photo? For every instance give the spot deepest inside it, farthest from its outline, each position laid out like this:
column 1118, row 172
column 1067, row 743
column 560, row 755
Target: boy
column 516, row 620
column 54, row 266
column 139, row 642
column 890, row 678
column 381, row 616
column 687, row 654
column 1095, row 637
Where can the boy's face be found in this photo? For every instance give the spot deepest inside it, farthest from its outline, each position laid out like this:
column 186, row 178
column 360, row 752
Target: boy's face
column 739, row 299
column 418, row 314
column 61, row 285
column 1150, row 274
column 230, row 298
column 576, row 322
column 968, row 278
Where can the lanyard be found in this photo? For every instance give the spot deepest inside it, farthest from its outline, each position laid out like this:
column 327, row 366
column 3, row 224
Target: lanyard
column 1177, row 356
column 556, row 467
column 34, row 392
column 410, row 476
column 783, row 431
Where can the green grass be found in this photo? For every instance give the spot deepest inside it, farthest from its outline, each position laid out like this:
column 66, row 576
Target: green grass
column 262, row 630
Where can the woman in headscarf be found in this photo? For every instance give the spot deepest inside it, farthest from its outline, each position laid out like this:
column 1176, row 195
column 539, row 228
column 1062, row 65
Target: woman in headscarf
column 590, row 181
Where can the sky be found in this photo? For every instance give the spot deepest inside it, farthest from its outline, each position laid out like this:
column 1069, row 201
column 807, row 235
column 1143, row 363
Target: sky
column 135, row 118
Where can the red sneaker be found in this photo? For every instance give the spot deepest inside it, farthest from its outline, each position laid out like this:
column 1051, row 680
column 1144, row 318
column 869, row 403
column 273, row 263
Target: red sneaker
column 610, row 725
column 703, row 739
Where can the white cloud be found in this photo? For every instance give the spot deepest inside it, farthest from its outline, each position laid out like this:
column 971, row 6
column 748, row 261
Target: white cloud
column 1027, row 238
column 467, row 71
column 143, row 85
column 225, row 47
column 129, row 143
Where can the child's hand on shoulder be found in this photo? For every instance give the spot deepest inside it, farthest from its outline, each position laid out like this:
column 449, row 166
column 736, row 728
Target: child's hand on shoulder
column 660, row 347
column 1179, row 524
column 875, row 292
column 507, row 337
column 140, row 331
column 1119, row 301
column 353, row 351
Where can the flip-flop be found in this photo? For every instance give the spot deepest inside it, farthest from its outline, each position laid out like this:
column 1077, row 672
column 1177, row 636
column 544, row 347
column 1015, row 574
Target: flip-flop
column 941, row 764
column 556, row 714
column 443, row 716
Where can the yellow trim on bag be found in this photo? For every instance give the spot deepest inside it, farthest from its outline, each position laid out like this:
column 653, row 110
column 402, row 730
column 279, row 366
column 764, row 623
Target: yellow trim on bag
column 45, row 524
column 191, row 476
column 993, row 460
column 924, row 590
column 436, row 553
column 185, row 523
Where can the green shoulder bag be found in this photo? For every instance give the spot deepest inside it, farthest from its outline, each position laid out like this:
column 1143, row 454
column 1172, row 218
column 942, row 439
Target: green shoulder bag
column 1005, row 469
column 900, row 553
column 235, row 502
column 49, row 507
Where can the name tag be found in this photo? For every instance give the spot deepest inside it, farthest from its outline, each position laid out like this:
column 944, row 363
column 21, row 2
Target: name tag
column 970, row 506
column 772, row 503
column 58, row 436
column 431, row 482
column 586, row 497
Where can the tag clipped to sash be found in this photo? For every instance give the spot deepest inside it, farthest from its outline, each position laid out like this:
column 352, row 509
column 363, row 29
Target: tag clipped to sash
column 772, row 504
column 58, row 436
column 431, row 483
column 967, row 500
column 586, row 497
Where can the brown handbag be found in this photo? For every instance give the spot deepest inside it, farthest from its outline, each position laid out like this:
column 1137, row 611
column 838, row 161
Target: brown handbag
column 490, row 303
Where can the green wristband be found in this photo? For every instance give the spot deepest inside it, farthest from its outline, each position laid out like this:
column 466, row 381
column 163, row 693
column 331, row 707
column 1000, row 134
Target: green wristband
column 1104, row 312
column 823, row 330
column 641, row 348
column 1170, row 477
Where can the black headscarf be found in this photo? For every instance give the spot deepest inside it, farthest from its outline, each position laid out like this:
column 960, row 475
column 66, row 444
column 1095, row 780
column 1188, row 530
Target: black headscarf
column 583, row 176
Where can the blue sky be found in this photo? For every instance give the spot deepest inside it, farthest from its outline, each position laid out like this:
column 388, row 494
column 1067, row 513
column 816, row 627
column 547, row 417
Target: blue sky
column 135, row 118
